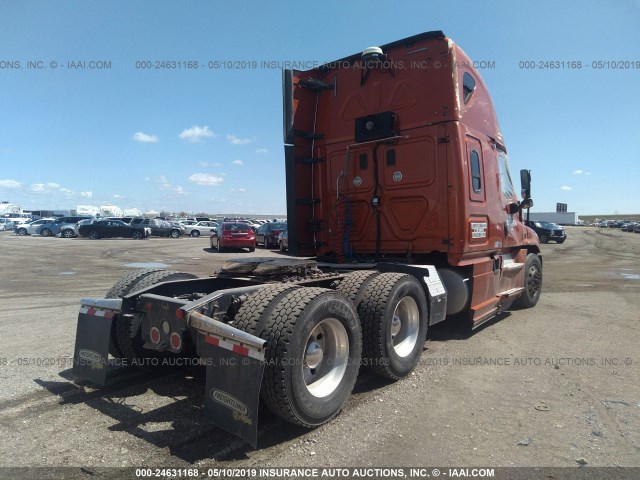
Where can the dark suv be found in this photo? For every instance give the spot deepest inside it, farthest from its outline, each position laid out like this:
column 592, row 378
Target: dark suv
column 159, row 228
column 547, row 231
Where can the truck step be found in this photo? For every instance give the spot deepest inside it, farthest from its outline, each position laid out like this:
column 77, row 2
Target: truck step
column 508, row 293
column 314, row 84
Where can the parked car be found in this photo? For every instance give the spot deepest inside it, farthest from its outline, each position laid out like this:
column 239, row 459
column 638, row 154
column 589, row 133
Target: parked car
column 283, row 240
column 159, row 228
column 201, row 228
column 31, row 227
column 63, row 226
column 110, row 229
column 628, row 227
column 233, row 235
column 636, row 229
column 268, row 233
column 6, row 224
column 548, row 231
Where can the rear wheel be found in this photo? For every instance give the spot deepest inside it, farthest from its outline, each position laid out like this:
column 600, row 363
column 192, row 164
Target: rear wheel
column 220, row 249
column 121, row 288
column 22, row 231
column 543, row 238
column 313, row 350
column 394, row 315
column 175, row 234
column 355, row 284
column 137, row 235
column 94, row 235
column 128, row 337
column 195, row 233
column 532, row 283
column 68, row 233
column 252, row 249
column 45, row 232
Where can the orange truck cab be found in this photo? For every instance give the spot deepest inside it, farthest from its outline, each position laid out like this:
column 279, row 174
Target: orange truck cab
column 395, row 155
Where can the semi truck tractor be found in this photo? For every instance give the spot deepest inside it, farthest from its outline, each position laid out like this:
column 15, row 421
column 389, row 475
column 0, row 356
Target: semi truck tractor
column 402, row 213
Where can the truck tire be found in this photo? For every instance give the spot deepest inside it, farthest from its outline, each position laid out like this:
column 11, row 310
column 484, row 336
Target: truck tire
column 120, row 289
column 354, row 285
column 394, row 317
column 532, row 283
column 253, row 313
column 122, row 344
column 131, row 346
column 312, row 355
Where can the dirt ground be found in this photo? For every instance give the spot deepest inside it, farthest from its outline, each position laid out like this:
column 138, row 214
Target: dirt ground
column 557, row 385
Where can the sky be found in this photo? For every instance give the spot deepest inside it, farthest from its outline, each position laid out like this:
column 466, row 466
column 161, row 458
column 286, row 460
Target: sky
column 210, row 139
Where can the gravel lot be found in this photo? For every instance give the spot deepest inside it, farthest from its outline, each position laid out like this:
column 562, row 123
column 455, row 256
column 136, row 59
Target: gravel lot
column 557, row 385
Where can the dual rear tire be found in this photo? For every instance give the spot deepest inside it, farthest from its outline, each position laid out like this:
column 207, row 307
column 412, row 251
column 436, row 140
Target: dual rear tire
column 317, row 339
column 313, row 350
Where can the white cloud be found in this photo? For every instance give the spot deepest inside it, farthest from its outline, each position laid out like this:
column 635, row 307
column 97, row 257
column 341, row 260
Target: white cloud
column 145, row 137
column 566, row 188
column 238, row 190
column 196, row 134
column 66, row 191
column 262, row 150
column 45, row 187
column 238, row 162
column 203, row 164
column 238, row 141
column 10, row 184
column 206, row 179
column 180, row 191
column 577, row 172
column 86, row 194
column 117, row 197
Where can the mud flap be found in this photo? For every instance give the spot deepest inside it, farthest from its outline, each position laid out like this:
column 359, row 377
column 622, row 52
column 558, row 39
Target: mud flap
column 232, row 391
column 91, row 353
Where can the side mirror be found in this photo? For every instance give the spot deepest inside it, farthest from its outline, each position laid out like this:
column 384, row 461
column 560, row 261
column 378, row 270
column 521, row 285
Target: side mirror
column 527, row 203
column 513, row 208
column 525, row 182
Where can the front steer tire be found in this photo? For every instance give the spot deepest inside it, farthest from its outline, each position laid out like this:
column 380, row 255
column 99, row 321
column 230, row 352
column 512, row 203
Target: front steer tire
column 532, row 283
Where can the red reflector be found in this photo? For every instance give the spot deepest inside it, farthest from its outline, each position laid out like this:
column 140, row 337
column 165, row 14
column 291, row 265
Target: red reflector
column 241, row 350
column 154, row 334
column 176, row 341
column 211, row 340
column 180, row 314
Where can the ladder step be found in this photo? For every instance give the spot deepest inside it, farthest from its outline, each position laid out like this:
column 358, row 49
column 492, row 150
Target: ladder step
column 312, row 244
column 314, row 84
column 308, row 201
column 309, row 160
column 315, row 226
column 309, row 135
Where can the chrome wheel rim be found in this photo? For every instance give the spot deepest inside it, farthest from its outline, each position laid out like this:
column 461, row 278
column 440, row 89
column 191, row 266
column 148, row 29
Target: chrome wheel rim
column 405, row 324
column 325, row 357
column 534, row 280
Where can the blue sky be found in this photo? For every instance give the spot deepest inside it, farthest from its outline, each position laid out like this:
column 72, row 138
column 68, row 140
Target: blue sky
column 211, row 139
